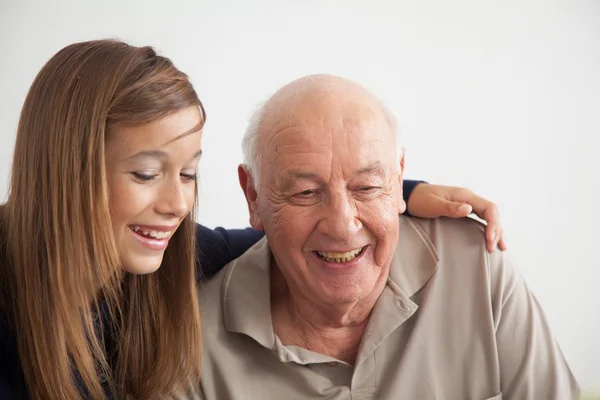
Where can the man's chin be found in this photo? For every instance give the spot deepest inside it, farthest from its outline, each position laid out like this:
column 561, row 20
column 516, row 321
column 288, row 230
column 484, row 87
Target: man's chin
column 339, row 295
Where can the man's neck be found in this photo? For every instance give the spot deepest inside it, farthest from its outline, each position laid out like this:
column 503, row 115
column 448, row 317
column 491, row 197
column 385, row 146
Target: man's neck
column 333, row 330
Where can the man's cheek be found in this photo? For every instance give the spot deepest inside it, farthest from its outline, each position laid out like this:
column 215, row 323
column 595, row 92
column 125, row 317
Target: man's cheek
column 382, row 212
column 282, row 223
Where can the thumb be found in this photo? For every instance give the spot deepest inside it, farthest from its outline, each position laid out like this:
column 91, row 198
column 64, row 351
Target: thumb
column 457, row 210
column 439, row 207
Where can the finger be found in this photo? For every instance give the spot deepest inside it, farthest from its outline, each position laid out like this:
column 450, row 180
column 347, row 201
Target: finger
column 490, row 238
column 498, row 236
column 454, row 209
column 464, row 209
column 502, row 243
column 491, row 215
column 431, row 207
column 480, row 205
column 491, row 230
column 487, row 211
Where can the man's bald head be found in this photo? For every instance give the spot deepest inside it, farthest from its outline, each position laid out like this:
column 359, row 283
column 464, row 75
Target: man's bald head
column 311, row 98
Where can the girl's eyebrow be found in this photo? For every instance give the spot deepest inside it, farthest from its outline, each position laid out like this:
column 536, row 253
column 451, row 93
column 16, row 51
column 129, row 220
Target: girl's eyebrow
column 160, row 154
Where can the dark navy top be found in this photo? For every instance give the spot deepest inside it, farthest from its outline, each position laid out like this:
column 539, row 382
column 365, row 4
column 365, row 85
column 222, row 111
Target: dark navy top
column 216, row 247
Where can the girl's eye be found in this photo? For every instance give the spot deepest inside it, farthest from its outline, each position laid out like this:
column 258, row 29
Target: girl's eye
column 143, row 177
column 189, row 177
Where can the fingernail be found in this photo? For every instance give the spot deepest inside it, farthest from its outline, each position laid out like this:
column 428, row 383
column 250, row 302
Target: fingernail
column 494, row 237
column 464, row 208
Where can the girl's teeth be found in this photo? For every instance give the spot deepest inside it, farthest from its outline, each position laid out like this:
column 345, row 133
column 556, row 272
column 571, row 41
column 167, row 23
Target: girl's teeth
column 152, row 233
column 159, row 234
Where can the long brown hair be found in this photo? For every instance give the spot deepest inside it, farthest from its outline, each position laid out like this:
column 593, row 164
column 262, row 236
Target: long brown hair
column 62, row 259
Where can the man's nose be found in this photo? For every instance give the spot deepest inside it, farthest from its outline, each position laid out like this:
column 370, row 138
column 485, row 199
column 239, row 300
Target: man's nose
column 341, row 217
column 173, row 199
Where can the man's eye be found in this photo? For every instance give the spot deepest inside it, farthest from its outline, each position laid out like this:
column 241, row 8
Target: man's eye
column 306, row 193
column 368, row 189
column 143, row 177
column 368, row 192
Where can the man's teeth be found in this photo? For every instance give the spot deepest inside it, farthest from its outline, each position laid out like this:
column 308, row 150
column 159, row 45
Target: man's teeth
column 333, row 256
column 152, row 234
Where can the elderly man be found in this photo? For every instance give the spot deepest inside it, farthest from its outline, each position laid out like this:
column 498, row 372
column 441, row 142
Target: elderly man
column 344, row 299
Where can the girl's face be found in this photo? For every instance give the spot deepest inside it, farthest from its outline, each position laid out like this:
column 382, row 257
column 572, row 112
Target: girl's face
column 151, row 171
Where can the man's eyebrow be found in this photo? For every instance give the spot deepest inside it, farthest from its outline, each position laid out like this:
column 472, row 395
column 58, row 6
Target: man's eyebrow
column 374, row 168
column 292, row 176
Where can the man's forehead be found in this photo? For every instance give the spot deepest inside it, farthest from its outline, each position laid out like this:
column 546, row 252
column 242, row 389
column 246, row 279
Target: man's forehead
column 327, row 132
column 294, row 150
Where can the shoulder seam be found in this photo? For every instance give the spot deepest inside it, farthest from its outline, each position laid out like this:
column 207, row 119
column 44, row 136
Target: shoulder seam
column 425, row 239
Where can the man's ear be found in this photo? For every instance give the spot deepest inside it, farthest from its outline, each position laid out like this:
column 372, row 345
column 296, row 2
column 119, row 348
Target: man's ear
column 249, row 189
column 401, row 202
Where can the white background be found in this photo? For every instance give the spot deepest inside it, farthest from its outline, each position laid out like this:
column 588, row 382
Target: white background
column 502, row 97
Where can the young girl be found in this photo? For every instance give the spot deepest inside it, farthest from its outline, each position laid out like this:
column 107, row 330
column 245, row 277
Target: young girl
column 98, row 279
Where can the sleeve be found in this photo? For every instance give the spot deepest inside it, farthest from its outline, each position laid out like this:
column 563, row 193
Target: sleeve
column 407, row 188
column 217, row 247
column 5, row 390
column 12, row 381
column 532, row 365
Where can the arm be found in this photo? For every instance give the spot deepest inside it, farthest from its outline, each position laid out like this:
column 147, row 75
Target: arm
column 433, row 201
column 408, row 187
column 217, row 247
column 532, row 365
column 12, row 381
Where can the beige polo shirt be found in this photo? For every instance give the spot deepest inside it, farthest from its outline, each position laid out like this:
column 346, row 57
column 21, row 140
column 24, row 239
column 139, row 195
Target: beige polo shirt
column 453, row 322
